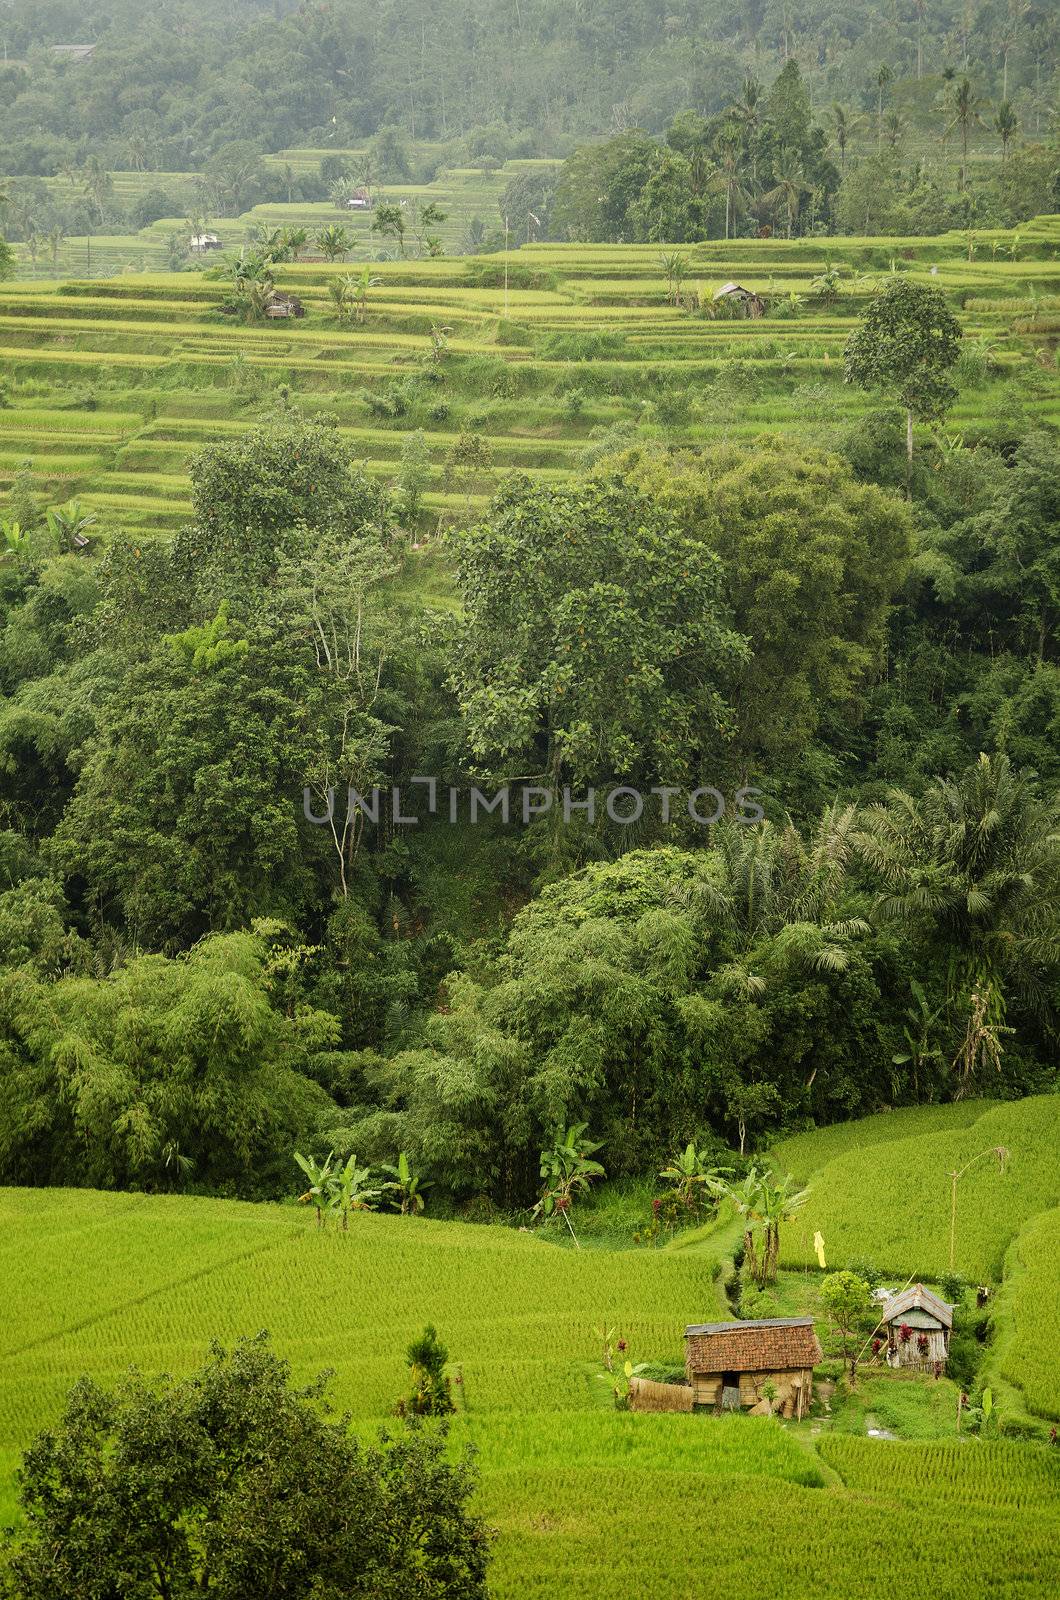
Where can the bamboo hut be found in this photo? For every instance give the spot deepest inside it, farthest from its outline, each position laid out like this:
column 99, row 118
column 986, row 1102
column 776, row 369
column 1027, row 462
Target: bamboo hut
column 918, row 1325
column 729, row 1365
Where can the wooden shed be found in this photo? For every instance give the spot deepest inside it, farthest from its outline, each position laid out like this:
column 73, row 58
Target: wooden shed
column 919, row 1325
column 729, row 1364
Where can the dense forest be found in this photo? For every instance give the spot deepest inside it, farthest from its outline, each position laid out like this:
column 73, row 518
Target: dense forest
column 182, row 722
column 169, row 86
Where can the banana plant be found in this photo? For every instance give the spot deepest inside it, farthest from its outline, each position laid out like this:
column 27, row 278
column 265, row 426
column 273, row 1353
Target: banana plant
column 692, row 1176
column 348, row 1190
column 320, row 1175
column 67, row 524
column 15, row 538
column 406, row 1188
column 567, row 1170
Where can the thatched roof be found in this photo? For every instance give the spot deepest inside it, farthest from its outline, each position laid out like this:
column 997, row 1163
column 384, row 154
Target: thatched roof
column 734, row 288
column 904, row 1307
column 773, row 1344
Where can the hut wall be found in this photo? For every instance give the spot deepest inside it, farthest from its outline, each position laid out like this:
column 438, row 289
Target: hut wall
column 794, row 1390
column 909, row 1354
column 706, row 1388
column 647, row 1395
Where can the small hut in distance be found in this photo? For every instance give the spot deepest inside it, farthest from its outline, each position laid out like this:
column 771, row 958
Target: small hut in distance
column 918, row 1325
column 740, row 301
column 729, row 1364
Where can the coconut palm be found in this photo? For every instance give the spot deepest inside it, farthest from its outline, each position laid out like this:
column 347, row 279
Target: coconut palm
column 747, row 113
column 1006, row 125
column 895, row 126
column 727, row 179
column 883, row 77
column 974, row 864
column 844, row 123
column 790, row 186
column 965, row 105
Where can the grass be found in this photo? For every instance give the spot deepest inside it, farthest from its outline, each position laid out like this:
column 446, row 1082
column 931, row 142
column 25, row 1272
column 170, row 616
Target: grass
column 1027, row 1319
column 584, row 1498
column 888, row 1199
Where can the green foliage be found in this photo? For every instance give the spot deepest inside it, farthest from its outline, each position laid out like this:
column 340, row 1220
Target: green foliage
column 906, row 345
column 208, row 1089
column 255, row 499
column 432, row 1394
column 171, row 1487
column 578, row 655
column 849, row 1302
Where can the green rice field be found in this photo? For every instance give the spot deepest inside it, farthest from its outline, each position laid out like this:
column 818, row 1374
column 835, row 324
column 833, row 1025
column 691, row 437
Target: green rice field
column 584, row 1498
column 110, row 385
column 888, row 1199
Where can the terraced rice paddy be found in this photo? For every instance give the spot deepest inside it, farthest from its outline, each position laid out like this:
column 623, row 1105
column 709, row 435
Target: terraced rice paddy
column 585, row 1499
column 112, row 385
column 889, row 1200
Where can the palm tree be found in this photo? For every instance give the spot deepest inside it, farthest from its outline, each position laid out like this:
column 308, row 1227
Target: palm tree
column 966, row 105
column 896, row 126
column 974, row 864
column 288, row 175
column 883, row 77
column 790, row 185
column 55, row 243
column 920, row 7
column 844, row 122
column 1006, row 124
column 747, row 112
column 778, row 895
column 1008, row 36
column 730, row 168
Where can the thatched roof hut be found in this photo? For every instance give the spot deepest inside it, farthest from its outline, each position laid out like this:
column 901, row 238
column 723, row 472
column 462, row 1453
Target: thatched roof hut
column 745, row 302
column 729, row 1364
column 918, row 1325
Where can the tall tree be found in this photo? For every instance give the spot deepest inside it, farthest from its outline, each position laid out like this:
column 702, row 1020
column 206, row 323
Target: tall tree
column 907, row 345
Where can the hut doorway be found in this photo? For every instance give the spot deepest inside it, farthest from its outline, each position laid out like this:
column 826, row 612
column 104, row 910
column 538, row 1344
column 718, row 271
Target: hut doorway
column 730, row 1391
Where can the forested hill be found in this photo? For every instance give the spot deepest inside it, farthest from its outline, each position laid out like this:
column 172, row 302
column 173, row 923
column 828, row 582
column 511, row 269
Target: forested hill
column 171, row 83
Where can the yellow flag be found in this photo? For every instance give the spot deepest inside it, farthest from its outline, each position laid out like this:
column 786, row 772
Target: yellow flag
column 818, row 1245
